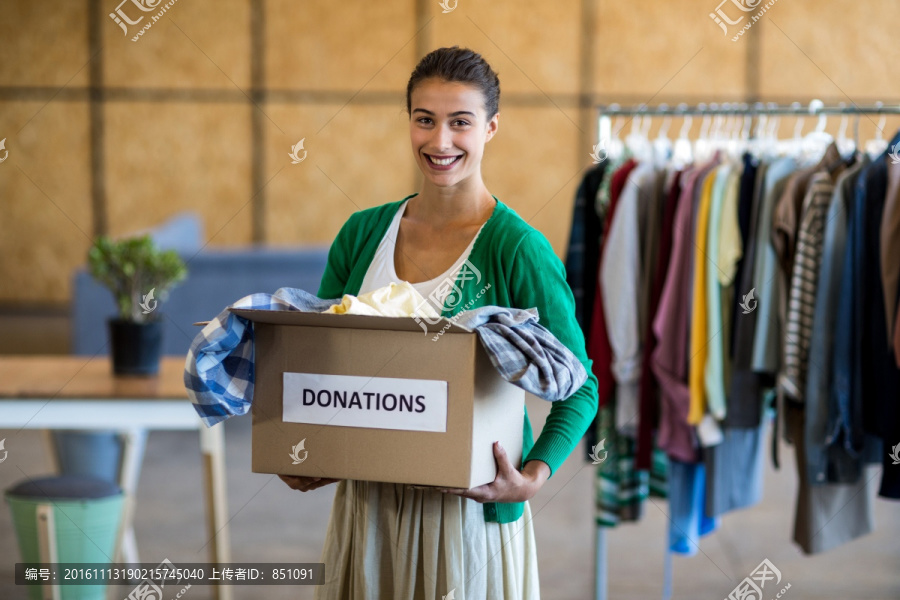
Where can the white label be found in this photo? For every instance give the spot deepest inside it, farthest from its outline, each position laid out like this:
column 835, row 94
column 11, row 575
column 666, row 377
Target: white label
column 374, row 402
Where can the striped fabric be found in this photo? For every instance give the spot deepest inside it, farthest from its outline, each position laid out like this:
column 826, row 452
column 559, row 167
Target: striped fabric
column 803, row 285
column 219, row 373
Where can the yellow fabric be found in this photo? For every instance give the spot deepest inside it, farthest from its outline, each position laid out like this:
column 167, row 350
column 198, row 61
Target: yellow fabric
column 699, row 335
column 730, row 243
column 392, row 300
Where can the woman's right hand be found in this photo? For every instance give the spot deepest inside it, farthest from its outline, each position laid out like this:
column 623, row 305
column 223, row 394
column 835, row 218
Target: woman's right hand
column 306, row 484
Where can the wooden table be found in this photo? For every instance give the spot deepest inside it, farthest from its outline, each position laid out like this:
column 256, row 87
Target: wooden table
column 81, row 393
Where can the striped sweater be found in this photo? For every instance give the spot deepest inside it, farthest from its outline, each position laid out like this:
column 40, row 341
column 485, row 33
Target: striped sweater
column 803, row 284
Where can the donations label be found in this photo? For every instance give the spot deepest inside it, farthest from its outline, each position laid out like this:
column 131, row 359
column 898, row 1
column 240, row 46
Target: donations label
column 373, row 402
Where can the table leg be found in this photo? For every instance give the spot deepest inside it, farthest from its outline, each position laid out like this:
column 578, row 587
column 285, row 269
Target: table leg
column 47, row 551
column 212, row 445
column 133, row 442
column 600, row 563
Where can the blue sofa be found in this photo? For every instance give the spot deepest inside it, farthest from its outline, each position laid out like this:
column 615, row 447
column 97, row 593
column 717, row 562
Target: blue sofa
column 215, row 279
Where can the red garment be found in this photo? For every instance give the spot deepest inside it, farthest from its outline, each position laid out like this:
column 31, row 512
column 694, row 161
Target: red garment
column 649, row 402
column 598, row 347
column 671, row 327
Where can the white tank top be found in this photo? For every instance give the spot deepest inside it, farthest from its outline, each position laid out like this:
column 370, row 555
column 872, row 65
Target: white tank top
column 381, row 271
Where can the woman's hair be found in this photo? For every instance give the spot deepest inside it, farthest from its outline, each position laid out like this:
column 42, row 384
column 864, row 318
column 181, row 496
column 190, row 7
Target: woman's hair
column 458, row 65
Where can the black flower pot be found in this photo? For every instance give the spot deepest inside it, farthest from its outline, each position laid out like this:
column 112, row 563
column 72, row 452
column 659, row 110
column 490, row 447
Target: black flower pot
column 136, row 347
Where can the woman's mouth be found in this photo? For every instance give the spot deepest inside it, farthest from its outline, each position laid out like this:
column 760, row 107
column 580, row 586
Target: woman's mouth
column 442, row 163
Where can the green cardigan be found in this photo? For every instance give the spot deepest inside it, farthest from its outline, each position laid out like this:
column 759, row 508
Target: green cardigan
column 524, row 272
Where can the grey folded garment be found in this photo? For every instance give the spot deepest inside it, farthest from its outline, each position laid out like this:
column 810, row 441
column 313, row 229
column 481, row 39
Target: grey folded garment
column 524, row 352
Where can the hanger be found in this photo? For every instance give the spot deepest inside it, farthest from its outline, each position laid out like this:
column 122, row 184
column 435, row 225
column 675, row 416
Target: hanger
column 637, row 141
column 739, row 131
column 724, row 131
column 816, row 141
column 845, row 145
column 773, row 145
column 646, row 143
column 715, row 136
column 662, row 145
column 745, row 133
column 682, row 153
column 702, row 146
column 616, row 146
column 795, row 145
column 608, row 136
column 729, row 131
column 758, row 140
column 878, row 144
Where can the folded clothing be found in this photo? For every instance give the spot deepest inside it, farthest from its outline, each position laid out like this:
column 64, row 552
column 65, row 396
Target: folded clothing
column 219, row 367
column 524, row 352
column 392, row 300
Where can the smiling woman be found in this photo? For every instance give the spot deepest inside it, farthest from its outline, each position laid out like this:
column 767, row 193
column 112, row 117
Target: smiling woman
column 387, row 540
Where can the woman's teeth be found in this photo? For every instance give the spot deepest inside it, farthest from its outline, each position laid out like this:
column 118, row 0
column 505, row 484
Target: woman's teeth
column 442, row 161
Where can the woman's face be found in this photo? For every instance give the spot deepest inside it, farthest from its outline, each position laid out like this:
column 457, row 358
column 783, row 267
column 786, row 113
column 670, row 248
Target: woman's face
column 448, row 129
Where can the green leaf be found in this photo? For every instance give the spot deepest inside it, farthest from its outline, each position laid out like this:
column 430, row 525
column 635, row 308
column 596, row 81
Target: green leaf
column 131, row 267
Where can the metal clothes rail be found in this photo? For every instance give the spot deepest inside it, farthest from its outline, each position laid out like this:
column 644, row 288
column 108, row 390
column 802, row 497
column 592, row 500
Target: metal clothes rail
column 814, row 108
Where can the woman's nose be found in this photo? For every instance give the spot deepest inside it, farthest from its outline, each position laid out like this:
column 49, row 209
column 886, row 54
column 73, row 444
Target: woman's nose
column 443, row 138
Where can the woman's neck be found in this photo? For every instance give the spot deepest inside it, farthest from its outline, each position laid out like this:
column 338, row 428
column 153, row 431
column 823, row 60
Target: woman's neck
column 451, row 207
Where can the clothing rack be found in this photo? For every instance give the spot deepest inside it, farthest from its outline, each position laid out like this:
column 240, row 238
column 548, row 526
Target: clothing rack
column 815, row 108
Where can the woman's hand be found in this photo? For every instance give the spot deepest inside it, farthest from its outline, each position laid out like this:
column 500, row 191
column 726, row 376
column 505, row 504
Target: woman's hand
column 510, row 485
column 305, row 484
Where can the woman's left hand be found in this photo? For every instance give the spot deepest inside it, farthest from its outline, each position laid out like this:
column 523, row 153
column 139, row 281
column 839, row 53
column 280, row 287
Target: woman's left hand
column 510, row 485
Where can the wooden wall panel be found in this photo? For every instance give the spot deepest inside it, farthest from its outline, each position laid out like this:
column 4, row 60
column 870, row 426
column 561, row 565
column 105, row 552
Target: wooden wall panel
column 195, row 44
column 43, row 43
column 457, row 30
column 532, row 165
column 648, row 50
column 45, row 200
column 533, row 45
column 359, row 159
column 164, row 158
column 841, row 49
column 320, row 45
column 338, row 75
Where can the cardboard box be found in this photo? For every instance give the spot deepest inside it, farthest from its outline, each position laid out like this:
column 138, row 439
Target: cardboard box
column 424, row 412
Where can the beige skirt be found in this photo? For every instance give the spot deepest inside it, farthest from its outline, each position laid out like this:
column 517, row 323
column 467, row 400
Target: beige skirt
column 391, row 541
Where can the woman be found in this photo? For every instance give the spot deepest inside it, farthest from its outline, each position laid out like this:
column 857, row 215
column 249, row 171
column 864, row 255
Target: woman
column 394, row 541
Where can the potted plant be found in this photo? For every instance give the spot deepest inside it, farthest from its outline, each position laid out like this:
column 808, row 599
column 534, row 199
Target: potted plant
column 139, row 276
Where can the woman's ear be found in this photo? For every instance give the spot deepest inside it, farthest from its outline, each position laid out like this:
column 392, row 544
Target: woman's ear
column 492, row 127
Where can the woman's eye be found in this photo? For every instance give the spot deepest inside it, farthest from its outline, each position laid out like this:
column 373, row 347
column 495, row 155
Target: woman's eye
column 424, row 120
column 461, row 123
